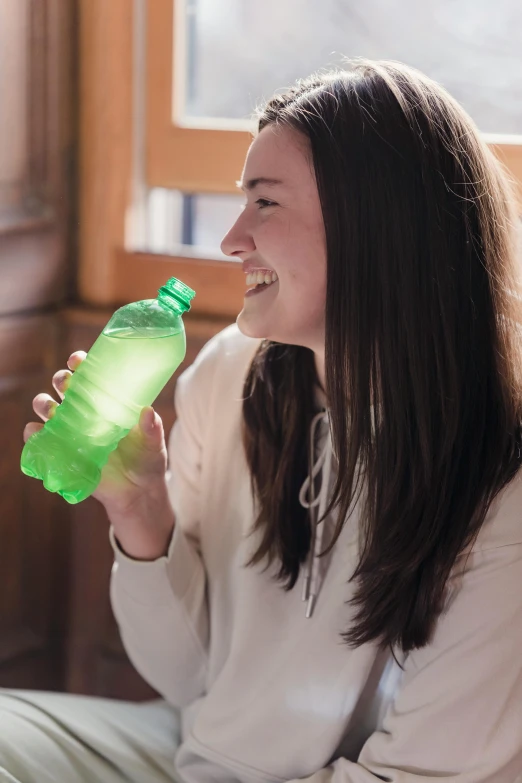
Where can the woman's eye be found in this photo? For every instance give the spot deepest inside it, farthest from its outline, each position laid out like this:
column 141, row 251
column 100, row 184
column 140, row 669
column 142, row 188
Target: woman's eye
column 262, row 203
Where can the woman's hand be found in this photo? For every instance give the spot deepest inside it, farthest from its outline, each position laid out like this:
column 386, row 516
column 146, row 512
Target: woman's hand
column 133, row 485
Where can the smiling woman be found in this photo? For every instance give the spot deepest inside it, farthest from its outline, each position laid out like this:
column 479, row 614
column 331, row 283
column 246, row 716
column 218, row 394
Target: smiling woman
column 327, row 581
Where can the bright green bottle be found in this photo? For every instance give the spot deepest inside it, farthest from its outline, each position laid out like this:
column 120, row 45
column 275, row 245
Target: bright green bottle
column 125, row 370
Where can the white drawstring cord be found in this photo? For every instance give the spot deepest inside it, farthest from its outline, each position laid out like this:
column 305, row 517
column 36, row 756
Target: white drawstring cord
column 308, row 500
column 318, row 544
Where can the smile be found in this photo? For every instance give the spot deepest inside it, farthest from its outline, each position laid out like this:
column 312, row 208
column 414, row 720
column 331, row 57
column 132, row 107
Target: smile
column 260, row 277
column 260, row 280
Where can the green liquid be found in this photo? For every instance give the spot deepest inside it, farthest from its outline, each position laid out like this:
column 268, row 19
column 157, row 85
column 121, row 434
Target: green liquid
column 124, row 371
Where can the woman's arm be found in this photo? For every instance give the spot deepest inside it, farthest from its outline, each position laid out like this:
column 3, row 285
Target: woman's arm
column 158, row 585
column 458, row 714
column 160, row 605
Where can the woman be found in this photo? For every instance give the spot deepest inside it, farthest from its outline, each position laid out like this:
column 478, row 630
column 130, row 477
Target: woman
column 354, row 442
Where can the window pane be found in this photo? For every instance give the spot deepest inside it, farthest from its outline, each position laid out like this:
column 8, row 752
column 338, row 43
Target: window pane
column 240, row 51
column 213, row 216
column 199, row 219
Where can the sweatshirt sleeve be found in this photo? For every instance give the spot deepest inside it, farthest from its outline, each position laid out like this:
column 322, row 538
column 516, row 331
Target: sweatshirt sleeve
column 160, row 606
column 458, row 713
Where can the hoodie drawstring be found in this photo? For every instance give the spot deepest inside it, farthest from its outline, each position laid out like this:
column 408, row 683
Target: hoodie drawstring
column 316, row 507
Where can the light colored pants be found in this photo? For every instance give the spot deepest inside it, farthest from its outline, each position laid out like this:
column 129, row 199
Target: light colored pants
column 62, row 738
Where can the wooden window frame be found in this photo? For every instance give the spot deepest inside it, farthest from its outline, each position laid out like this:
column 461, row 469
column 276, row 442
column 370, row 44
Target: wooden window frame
column 192, row 160
column 189, row 159
column 108, row 273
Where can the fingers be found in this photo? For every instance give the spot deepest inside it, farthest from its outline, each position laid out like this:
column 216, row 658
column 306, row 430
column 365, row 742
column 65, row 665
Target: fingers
column 62, row 378
column 61, row 381
column 75, row 359
column 30, row 429
column 44, row 406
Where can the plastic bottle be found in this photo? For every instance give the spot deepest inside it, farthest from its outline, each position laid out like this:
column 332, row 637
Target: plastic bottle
column 127, row 367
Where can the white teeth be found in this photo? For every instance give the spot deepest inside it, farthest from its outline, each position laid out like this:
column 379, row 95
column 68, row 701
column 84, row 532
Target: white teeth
column 261, row 276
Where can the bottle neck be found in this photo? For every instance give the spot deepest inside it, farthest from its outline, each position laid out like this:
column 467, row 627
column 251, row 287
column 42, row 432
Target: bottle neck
column 169, row 301
column 176, row 296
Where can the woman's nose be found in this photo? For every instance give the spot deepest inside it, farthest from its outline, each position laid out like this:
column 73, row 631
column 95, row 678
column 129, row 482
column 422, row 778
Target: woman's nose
column 238, row 239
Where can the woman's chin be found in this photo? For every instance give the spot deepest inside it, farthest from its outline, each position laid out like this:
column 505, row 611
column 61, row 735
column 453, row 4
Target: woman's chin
column 252, row 326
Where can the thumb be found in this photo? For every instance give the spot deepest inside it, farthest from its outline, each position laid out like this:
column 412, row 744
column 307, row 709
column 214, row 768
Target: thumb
column 151, row 428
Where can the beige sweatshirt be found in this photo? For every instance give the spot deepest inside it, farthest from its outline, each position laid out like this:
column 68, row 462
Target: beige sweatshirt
column 268, row 694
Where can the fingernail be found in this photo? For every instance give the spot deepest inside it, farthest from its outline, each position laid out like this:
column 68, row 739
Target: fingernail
column 51, row 407
column 149, row 420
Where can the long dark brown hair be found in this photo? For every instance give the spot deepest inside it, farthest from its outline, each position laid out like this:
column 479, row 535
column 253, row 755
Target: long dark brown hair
column 422, row 347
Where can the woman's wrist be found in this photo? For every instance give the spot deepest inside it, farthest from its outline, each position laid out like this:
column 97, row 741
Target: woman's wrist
column 143, row 526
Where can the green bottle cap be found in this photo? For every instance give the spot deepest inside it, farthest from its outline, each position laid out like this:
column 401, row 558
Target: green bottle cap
column 175, row 290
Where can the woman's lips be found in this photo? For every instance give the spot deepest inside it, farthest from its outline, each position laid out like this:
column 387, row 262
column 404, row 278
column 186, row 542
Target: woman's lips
column 260, row 289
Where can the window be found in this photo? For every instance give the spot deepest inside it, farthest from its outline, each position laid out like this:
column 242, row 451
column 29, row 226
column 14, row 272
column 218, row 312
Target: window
column 473, row 51
column 177, row 82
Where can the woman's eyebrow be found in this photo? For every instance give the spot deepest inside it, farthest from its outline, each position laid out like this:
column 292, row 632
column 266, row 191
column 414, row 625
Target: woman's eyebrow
column 250, row 184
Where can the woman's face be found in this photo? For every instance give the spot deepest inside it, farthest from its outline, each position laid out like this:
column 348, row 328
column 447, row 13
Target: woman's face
column 279, row 237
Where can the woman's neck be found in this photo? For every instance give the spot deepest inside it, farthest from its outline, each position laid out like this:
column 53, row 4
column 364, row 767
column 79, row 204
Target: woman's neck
column 321, row 377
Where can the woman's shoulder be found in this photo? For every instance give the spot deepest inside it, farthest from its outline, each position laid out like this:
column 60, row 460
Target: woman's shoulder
column 228, row 352
column 219, row 368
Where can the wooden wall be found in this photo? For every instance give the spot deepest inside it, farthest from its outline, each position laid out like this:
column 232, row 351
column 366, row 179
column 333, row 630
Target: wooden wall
column 36, row 161
column 34, row 531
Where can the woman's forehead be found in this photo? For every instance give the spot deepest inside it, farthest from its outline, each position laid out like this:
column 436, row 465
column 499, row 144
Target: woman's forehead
column 279, row 154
